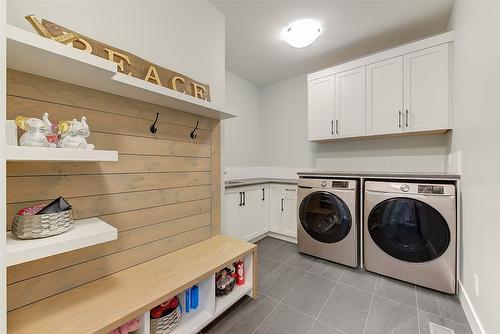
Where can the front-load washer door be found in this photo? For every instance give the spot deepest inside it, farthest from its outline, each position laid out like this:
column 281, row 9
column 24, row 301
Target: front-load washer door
column 325, row 217
column 409, row 230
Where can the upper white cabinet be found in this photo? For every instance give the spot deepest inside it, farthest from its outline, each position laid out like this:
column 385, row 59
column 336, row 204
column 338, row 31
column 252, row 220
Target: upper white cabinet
column 320, row 106
column 350, row 103
column 426, row 80
column 384, row 97
column 401, row 90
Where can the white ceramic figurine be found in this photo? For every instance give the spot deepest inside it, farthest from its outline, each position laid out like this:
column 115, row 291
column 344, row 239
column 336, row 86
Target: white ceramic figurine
column 36, row 131
column 74, row 136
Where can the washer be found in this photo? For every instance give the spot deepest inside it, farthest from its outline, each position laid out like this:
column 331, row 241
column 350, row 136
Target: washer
column 409, row 233
column 328, row 221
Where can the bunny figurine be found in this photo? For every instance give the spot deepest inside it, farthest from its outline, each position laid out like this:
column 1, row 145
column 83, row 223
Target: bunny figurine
column 73, row 134
column 36, row 131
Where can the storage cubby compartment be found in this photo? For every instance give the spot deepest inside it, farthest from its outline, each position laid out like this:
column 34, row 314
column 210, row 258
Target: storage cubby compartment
column 209, row 306
column 195, row 319
column 224, row 302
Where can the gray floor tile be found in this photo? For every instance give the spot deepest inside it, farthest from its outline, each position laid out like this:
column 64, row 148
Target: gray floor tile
column 286, row 320
column 346, row 309
column 327, row 269
column 425, row 318
column 321, row 328
column 390, row 317
column 267, row 244
column 310, row 294
column 282, row 253
column 301, row 261
column 281, row 281
column 244, row 317
column 396, row 290
column 441, row 304
column 359, row 278
column 265, row 268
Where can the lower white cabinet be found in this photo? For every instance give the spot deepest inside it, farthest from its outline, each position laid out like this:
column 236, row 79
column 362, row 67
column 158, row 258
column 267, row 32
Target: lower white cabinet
column 254, row 210
column 283, row 210
column 247, row 212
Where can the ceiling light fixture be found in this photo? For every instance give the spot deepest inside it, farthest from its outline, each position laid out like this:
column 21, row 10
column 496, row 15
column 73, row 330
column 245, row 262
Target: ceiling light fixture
column 301, row 33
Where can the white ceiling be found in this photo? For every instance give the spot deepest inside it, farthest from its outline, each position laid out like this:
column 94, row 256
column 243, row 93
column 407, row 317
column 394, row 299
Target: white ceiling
column 255, row 51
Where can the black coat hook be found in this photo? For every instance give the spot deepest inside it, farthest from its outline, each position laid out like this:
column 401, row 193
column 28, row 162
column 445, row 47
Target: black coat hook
column 194, row 135
column 153, row 127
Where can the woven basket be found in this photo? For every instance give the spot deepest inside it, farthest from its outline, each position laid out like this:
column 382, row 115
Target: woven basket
column 219, row 292
column 41, row 226
column 167, row 323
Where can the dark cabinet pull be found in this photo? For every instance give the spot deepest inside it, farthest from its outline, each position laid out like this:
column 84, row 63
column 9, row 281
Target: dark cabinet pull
column 399, row 119
column 332, row 126
column 241, row 199
column 337, row 126
column 282, row 204
column 263, row 194
column 244, row 198
column 406, row 117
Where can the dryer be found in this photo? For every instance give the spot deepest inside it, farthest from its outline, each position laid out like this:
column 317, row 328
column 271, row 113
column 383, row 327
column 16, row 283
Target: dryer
column 409, row 232
column 328, row 217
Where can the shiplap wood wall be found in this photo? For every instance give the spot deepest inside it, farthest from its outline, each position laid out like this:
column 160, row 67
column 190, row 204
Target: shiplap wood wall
column 163, row 193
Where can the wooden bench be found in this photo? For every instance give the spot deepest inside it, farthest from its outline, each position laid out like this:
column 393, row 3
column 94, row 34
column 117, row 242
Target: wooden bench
column 104, row 304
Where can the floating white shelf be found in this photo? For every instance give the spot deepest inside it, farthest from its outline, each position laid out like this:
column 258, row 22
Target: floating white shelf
column 27, row 153
column 86, row 232
column 28, row 52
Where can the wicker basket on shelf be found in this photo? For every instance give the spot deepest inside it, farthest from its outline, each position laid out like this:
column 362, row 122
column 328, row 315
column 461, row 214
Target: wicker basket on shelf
column 41, row 226
column 167, row 323
column 224, row 282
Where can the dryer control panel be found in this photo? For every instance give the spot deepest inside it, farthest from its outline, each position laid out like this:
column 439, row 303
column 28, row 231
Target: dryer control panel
column 430, row 189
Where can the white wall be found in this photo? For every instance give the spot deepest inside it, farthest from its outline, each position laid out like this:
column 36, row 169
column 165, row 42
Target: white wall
column 3, row 300
column 242, row 134
column 284, row 125
column 476, row 134
column 185, row 36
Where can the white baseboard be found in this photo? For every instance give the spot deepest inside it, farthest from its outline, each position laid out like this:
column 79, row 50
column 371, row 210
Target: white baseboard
column 283, row 237
column 470, row 313
column 274, row 235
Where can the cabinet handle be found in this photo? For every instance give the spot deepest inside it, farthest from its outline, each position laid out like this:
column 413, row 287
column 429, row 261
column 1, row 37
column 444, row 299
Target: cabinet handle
column 263, row 194
column 332, row 126
column 399, row 119
column 337, row 126
column 406, row 117
column 241, row 199
column 244, row 198
column 282, row 204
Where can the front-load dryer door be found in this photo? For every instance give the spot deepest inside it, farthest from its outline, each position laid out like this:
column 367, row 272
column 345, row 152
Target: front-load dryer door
column 325, row 217
column 409, row 230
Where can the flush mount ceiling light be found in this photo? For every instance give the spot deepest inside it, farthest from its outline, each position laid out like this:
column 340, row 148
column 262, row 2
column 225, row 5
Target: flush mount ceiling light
column 301, row 33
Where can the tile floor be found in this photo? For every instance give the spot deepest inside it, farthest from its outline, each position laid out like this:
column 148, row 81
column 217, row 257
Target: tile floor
column 299, row 294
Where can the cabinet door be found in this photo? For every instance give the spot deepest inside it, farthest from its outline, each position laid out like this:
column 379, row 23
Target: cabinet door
column 384, row 97
column 350, row 103
column 264, row 209
column 233, row 215
column 426, row 92
column 275, row 197
column 250, row 222
column 289, row 212
column 320, row 108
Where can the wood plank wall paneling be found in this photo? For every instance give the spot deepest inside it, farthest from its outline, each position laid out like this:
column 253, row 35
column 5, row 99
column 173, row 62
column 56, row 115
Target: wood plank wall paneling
column 162, row 195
